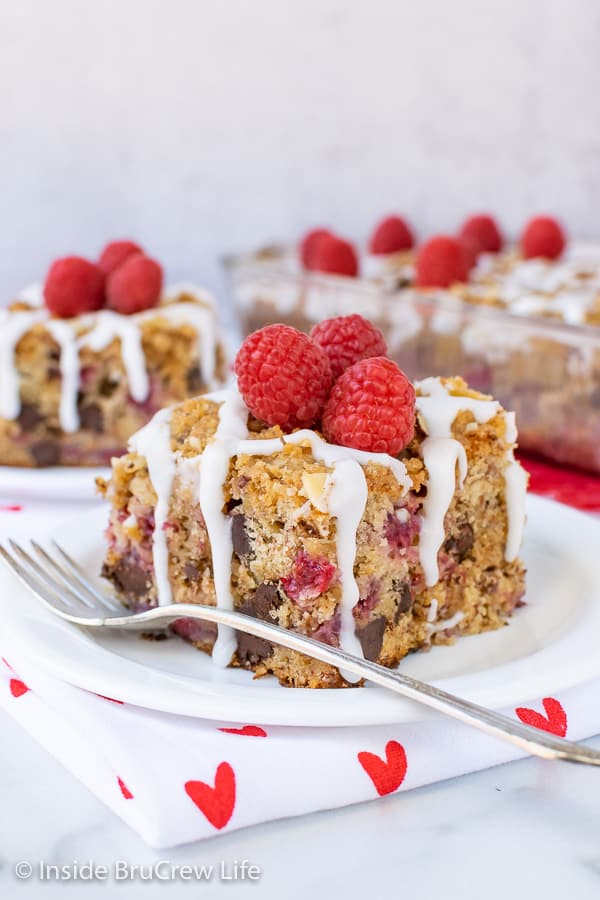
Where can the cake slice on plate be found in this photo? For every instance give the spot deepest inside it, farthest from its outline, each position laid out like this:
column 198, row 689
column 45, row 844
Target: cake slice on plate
column 89, row 358
column 364, row 512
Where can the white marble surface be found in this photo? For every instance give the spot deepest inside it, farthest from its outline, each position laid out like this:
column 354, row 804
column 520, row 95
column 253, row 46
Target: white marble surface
column 200, row 126
column 527, row 829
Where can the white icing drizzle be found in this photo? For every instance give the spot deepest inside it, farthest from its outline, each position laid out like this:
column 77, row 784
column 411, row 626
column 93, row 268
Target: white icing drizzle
column 110, row 325
column 432, row 611
column 153, row 442
column 13, row 326
column 62, row 332
column 327, row 453
column 515, row 478
column 433, row 625
column 441, row 456
column 202, row 319
column 214, row 465
column 104, row 327
column 438, row 410
column 443, row 624
column 347, row 502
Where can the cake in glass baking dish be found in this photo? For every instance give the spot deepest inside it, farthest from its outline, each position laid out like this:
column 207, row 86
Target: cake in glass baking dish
column 89, row 357
column 540, row 275
column 518, row 322
column 325, row 493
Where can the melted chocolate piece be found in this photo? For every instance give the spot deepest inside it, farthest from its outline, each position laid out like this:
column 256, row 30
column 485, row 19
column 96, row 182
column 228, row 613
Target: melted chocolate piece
column 107, row 386
column 45, row 453
column 29, row 417
column 371, row 638
column 91, row 419
column 130, row 578
column 259, row 605
column 405, row 598
column 191, row 572
column 194, row 380
column 461, row 544
column 239, row 535
column 250, row 649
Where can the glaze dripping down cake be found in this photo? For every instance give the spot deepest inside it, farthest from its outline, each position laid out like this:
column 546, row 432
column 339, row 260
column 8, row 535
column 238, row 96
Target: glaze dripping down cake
column 379, row 554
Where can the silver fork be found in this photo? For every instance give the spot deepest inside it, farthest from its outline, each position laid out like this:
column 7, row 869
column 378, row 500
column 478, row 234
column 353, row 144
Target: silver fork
column 63, row 587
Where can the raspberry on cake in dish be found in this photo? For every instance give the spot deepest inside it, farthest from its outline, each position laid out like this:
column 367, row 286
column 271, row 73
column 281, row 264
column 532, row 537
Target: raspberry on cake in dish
column 89, row 357
column 365, row 512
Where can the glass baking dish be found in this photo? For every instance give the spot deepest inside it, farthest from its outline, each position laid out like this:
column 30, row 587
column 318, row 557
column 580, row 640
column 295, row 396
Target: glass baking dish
column 545, row 370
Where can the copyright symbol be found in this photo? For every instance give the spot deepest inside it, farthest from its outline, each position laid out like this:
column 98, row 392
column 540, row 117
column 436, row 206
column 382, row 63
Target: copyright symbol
column 23, row 870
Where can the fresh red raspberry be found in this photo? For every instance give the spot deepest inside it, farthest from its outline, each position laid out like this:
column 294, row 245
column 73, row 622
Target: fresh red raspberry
column 346, row 339
column 440, row 262
column 371, row 407
column 482, row 232
column 115, row 254
column 73, row 286
column 543, row 236
column 390, row 236
column 309, row 243
column 283, row 377
column 136, row 285
column 471, row 250
column 334, row 255
column 310, row 577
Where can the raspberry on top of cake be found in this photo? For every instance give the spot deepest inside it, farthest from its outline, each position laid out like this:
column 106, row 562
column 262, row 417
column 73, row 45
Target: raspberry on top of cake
column 326, row 493
column 87, row 358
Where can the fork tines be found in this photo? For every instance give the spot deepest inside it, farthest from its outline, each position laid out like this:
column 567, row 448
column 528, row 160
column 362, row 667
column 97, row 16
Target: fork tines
column 60, row 582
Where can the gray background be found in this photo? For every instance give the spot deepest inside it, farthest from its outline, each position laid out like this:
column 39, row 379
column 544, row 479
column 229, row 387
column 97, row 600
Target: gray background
column 204, row 126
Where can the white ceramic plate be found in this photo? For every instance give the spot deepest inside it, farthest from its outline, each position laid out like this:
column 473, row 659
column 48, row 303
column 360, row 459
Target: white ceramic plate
column 54, row 483
column 550, row 645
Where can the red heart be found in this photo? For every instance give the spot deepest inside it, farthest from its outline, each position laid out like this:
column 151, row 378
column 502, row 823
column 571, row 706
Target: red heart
column 216, row 803
column 248, row 730
column 386, row 776
column 18, row 687
column 124, row 789
column 555, row 720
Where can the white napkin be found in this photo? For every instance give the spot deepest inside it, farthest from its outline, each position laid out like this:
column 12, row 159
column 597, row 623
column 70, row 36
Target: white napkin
column 176, row 779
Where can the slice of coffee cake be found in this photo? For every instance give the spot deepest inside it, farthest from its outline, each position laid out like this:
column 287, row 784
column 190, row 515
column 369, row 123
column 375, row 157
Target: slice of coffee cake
column 381, row 554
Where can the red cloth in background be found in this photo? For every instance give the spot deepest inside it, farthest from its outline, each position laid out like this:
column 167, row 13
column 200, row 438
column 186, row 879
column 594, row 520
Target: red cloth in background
column 570, row 486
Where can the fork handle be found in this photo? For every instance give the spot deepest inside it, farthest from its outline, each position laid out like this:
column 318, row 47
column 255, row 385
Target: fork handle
column 532, row 740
